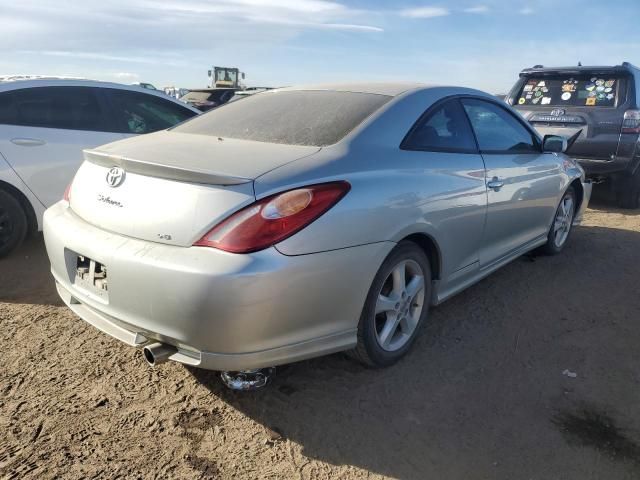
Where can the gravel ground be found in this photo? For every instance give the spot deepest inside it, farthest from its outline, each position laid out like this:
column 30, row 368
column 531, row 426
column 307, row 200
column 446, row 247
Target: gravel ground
column 481, row 396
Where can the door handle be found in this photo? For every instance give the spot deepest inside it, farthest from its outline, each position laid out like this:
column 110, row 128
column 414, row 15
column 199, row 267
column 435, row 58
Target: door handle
column 28, row 142
column 495, row 184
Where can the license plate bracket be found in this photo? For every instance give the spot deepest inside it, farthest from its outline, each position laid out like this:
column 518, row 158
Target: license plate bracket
column 91, row 276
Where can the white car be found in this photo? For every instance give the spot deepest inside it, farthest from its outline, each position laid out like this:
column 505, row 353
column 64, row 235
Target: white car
column 44, row 126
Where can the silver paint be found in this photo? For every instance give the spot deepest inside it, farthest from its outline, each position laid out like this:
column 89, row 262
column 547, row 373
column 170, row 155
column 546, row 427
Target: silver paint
column 302, row 297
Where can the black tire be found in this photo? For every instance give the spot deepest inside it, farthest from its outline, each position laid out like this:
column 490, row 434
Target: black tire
column 368, row 349
column 13, row 223
column 552, row 247
column 628, row 194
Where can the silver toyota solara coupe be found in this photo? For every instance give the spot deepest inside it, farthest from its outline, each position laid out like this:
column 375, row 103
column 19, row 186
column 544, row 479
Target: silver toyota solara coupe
column 305, row 221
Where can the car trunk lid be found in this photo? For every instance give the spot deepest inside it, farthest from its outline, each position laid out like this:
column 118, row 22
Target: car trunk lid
column 172, row 188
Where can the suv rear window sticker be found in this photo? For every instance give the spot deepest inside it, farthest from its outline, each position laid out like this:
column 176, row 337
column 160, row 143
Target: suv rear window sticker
column 569, row 91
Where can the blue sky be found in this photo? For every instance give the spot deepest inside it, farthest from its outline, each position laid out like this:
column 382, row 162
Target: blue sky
column 483, row 44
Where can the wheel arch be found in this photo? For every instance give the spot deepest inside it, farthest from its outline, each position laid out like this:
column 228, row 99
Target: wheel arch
column 431, row 249
column 577, row 187
column 32, row 219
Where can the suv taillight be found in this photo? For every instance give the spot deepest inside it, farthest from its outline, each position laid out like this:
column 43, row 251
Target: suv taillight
column 272, row 219
column 631, row 122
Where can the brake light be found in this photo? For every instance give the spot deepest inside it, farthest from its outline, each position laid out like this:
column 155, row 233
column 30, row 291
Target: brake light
column 273, row 219
column 67, row 193
column 631, row 122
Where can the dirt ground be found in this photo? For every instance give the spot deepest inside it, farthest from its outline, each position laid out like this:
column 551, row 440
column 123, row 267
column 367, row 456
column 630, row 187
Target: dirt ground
column 481, row 396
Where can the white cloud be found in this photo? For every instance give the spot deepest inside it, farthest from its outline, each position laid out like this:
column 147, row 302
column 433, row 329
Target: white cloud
column 294, row 13
column 353, row 28
column 126, row 77
column 477, row 9
column 150, row 60
column 424, row 12
column 244, row 6
column 126, row 27
column 526, row 11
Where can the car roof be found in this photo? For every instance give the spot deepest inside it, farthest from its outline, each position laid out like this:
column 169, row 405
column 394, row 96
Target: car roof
column 624, row 68
column 16, row 84
column 391, row 89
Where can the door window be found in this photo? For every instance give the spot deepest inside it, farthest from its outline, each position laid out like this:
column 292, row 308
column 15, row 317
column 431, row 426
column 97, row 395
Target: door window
column 444, row 128
column 70, row 108
column 137, row 112
column 497, row 130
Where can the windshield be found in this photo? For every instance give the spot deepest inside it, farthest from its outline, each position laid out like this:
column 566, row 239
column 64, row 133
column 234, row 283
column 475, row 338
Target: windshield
column 583, row 91
column 226, row 75
column 314, row 118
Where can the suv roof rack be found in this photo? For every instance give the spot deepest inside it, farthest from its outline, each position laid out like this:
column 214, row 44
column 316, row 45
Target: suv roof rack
column 625, row 67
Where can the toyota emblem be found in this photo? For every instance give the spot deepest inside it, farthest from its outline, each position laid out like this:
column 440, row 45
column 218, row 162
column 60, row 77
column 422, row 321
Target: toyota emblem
column 115, row 177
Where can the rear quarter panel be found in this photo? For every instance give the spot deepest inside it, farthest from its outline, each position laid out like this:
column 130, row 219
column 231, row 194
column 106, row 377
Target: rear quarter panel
column 394, row 192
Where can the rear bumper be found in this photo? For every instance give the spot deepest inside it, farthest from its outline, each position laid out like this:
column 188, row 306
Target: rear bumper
column 222, row 311
column 606, row 167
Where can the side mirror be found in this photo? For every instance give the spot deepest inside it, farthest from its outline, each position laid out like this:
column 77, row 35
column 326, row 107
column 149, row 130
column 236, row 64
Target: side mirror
column 554, row 143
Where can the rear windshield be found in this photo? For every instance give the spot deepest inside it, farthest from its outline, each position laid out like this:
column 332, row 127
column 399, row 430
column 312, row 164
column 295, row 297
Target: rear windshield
column 315, row 118
column 582, row 91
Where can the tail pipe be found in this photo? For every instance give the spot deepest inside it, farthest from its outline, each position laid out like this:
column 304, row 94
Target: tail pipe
column 158, row 353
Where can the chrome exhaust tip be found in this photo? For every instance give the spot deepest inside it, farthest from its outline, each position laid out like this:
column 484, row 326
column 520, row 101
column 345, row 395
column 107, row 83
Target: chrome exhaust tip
column 247, row 380
column 158, row 353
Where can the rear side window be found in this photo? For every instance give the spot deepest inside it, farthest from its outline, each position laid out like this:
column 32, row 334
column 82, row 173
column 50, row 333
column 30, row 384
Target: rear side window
column 316, row 118
column 577, row 91
column 444, row 128
column 69, row 108
column 497, row 130
column 137, row 112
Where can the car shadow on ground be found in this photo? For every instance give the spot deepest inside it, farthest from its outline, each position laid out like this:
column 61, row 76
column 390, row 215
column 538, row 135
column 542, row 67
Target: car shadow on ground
column 25, row 275
column 603, row 199
column 530, row 371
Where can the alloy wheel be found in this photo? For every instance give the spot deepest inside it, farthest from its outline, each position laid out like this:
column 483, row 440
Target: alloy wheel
column 563, row 221
column 399, row 305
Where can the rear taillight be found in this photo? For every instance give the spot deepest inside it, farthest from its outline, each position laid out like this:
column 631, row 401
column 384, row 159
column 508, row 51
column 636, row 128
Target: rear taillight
column 67, row 193
column 272, row 219
column 631, row 122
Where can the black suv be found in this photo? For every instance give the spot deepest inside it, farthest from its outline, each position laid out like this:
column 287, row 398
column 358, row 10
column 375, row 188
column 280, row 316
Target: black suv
column 601, row 106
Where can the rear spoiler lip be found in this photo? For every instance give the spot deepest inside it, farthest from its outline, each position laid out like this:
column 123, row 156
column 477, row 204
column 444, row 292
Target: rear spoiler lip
column 160, row 170
column 542, row 72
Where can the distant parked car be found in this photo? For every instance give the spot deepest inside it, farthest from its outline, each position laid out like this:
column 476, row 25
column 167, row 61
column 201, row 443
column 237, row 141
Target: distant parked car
column 148, row 86
column 207, row 98
column 601, row 105
column 45, row 125
column 301, row 222
column 175, row 92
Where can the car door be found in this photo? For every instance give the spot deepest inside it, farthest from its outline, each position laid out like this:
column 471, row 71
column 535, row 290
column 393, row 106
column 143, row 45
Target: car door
column 43, row 131
column 135, row 113
column 523, row 183
column 441, row 145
